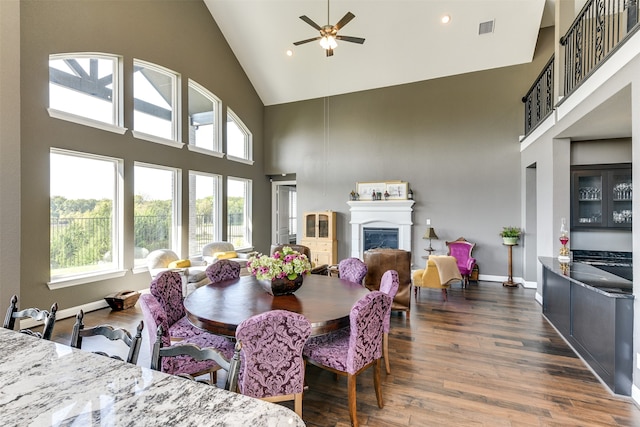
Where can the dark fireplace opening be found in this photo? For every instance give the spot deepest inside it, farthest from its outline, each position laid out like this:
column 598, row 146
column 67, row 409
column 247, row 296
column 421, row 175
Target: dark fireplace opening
column 386, row 238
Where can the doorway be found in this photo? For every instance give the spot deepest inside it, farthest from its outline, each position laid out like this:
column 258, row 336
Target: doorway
column 284, row 207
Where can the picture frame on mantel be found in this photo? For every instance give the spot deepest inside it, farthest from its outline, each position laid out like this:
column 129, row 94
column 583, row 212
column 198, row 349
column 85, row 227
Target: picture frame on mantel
column 397, row 190
column 366, row 189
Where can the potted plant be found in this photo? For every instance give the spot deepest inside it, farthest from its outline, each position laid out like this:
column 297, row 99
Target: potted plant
column 510, row 235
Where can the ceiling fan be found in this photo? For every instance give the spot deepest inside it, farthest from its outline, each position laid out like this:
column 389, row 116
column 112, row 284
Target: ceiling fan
column 329, row 33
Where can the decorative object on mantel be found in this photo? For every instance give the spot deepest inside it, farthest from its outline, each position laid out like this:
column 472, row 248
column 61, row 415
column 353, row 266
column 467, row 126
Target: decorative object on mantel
column 430, row 234
column 281, row 273
column 353, row 196
column 391, row 190
column 510, row 235
column 564, row 239
column 410, row 194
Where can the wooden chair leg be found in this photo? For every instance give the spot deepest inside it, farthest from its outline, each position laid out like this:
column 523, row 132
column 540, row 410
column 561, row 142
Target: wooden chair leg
column 351, row 392
column 297, row 401
column 376, row 383
column 385, row 352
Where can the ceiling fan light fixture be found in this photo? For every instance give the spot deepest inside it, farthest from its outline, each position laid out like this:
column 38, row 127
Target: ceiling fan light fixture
column 328, row 42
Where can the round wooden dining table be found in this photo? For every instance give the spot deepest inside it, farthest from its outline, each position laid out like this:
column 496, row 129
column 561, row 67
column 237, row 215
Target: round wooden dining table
column 220, row 307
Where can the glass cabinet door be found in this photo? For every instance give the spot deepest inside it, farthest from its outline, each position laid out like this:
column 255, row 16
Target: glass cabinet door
column 589, row 205
column 323, row 226
column 621, row 197
column 310, row 225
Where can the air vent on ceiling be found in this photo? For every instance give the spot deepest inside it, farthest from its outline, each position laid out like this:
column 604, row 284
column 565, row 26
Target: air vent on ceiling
column 486, row 27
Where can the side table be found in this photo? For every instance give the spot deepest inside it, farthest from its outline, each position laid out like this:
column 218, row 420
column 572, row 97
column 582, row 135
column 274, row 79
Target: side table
column 510, row 281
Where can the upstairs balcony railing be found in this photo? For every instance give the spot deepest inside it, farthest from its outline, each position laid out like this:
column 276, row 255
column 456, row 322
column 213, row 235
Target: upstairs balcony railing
column 600, row 27
column 538, row 102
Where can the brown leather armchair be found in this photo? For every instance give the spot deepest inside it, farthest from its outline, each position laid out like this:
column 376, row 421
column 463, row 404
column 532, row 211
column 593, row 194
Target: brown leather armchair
column 378, row 261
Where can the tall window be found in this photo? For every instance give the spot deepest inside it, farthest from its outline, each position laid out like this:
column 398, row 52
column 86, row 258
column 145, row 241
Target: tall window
column 204, row 119
column 239, row 139
column 156, row 92
column 239, row 212
column 156, row 214
column 85, row 214
column 85, row 86
column 204, row 210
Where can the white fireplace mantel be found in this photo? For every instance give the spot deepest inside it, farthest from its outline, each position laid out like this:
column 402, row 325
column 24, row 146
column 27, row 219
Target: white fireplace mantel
column 382, row 214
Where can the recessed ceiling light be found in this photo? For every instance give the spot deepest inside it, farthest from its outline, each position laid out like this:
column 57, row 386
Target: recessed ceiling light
column 289, row 52
column 445, row 19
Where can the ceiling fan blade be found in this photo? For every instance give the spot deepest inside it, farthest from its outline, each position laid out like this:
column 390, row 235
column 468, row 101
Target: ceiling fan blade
column 359, row 40
column 308, row 20
column 329, row 52
column 306, row 41
column 344, row 21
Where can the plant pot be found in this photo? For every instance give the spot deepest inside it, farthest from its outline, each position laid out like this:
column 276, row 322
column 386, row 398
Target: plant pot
column 277, row 287
column 510, row 240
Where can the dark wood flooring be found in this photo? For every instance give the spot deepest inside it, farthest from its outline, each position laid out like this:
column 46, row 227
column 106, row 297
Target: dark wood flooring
column 486, row 357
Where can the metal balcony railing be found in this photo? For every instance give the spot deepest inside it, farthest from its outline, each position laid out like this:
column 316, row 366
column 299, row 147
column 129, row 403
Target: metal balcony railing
column 538, row 102
column 600, row 27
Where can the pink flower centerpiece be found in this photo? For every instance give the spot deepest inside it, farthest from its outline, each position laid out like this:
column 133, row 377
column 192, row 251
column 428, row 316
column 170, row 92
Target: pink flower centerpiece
column 281, row 273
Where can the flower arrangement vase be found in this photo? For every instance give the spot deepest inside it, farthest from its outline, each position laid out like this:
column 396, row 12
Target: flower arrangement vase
column 284, row 286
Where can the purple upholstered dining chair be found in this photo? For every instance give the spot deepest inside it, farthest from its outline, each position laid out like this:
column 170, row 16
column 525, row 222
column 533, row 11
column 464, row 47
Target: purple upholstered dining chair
column 223, row 269
column 167, row 288
column 352, row 269
column 155, row 317
column 350, row 353
column 388, row 285
column 271, row 363
column 461, row 250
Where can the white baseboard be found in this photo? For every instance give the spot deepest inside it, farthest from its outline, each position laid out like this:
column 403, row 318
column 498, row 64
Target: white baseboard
column 71, row 312
column 520, row 280
column 635, row 394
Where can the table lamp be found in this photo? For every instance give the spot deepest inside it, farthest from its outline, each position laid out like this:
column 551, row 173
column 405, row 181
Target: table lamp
column 430, row 234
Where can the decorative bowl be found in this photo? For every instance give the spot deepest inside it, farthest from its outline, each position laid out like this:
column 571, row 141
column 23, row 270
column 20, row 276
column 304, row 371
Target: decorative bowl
column 284, row 286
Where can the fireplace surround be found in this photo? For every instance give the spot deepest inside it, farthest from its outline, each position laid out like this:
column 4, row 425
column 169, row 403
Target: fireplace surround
column 381, row 214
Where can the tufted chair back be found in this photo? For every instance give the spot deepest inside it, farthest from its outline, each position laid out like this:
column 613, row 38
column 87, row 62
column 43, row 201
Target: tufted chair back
column 223, row 269
column 352, row 269
column 461, row 250
column 167, row 288
column 277, row 332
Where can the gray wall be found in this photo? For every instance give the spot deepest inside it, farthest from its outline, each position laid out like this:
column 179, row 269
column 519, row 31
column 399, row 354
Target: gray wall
column 455, row 140
column 180, row 35
column 9, row 149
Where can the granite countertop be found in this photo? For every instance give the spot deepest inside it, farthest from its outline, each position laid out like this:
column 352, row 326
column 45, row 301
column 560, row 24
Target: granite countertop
column 45, row 383
column 591, row 277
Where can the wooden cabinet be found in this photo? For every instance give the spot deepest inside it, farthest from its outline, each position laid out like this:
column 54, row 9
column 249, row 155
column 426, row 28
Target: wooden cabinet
column 602, row 197
column 319, row 235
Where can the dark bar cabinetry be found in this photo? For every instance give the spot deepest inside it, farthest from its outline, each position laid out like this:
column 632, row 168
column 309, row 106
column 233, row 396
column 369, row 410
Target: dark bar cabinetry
column 593, row 310
column 602, row 196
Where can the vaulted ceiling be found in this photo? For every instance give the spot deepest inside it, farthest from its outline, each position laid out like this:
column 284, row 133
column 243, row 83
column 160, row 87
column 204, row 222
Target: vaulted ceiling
column 405, row 41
